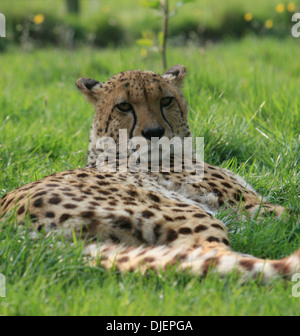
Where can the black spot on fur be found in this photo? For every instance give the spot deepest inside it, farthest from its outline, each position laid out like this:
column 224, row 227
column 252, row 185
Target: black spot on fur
column 249, row 206
column 217, row 192
column 182, row 205
column 180, row 218
column 154, row 197
column 168, row 218
column 87, row 192
column 82, row 175
column 104, row 192
column 147, row 214
column 124, row 223
column 130, row 203
column 212, row 168
column 114, row 189
column 185, row 230
column 238, row 196
column 8, row 203
column 42, row 193
column 104, row 183
column 21, row 210
column 87, row 214
column 33, row 217
column 200, row 228
column 199, row 215
column 217, row 226
column 69, row 194
column 123, row 259
column 218, row 176
column 70, row 206
column 227, row 185
column 132, row 193
column 94, row 203
column 156, row 207
column 247, row 264
column 213, row 185
column 64, row 217
column 171, row 235
column 55, row 200
column 50, row 214
column 38, row 203
column 212, row 239
column 80, row 199
column 129, row 211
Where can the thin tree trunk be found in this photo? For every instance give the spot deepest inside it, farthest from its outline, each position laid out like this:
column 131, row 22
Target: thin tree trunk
column 165, row 7
column 73, row 6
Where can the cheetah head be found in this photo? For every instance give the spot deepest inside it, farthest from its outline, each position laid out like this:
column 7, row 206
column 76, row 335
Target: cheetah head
column 143, row 103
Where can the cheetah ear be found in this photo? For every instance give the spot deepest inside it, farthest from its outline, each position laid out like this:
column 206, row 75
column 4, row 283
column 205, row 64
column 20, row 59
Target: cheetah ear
column 176, row 75
column 89, row 87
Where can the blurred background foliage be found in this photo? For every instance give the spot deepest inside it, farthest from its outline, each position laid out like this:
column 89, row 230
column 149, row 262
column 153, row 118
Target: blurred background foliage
column 103, row 23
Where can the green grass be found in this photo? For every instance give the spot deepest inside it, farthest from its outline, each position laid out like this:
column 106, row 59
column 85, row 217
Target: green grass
column 244, row 99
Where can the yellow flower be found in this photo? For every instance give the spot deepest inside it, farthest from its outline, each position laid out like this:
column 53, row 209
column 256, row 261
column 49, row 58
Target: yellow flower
column 269, row 24
column 38, row 19
column 280, row 8
column 291, row 7
column 197, row 12
column 106, row 9
column 248, row 17
column 144, row 52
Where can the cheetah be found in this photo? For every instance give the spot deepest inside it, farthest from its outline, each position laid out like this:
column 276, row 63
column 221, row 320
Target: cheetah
column 143, row 220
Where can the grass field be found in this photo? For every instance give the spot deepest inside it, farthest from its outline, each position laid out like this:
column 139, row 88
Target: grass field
column 244, row 99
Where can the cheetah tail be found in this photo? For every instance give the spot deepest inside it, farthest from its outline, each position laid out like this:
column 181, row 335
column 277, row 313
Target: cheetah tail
column 195, row 261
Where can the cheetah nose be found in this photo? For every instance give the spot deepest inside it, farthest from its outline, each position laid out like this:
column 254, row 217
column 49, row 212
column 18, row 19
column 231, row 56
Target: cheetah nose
column 153, row 132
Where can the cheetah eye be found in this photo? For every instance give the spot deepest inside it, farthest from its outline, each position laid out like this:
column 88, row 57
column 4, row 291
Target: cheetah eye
column 166, row 101
column 124, row 107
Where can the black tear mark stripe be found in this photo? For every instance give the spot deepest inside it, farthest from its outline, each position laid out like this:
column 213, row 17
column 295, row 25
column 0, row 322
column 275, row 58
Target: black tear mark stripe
column 134, row 123
column 165, row 119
